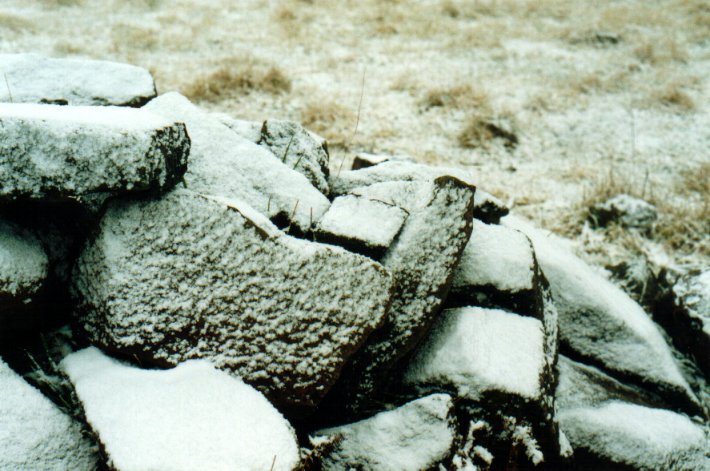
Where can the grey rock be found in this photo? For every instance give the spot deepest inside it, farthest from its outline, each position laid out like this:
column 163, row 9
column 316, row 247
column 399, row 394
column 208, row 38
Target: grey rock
column 34, row 434
column 299, row 149
column 624, row 210
column 32, row 78
column 64, row 152
column 222, row 163
column 191, row 276
column 249, row 130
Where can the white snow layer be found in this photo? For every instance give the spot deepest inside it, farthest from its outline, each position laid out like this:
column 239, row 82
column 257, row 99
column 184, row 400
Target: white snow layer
column 638, row 436
column 477, row 350
column 49, row 150
column 32, row 78
column 598, row 320
column 34, row 434
column 192, row 417
column 23, row 263
column 496, row 256
column 249, row 130
column 371, row 221
column 414, row 436
column 222, row 163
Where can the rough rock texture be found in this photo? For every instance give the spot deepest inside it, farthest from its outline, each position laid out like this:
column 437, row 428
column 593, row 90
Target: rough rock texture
column 36, row 79
column 600, row 323
column 60, row 152
column 299, row 149
column 618, row 433
column 34, row 434
column 249, row 130
column 624, row 210
column 498, row 269
column 361, row 224
column 189, row 418
column 687, row 317
column 23, row 277
column 418, row 435
column 422, row 261
column 190, row 276
column 224, row 164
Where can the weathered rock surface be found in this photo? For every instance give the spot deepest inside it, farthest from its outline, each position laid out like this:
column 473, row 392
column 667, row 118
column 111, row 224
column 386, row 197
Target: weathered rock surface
column 249, row 130
column 32, row 78
column 34, row 434
column 498, row 269
column 299, row 149
column 361, row 224
column 190, row 418
column 600, row 323
column 60, row 152
column 418, row 435
column 190, row 276
column 422, row 261
column 624, row 210
column 224, row 164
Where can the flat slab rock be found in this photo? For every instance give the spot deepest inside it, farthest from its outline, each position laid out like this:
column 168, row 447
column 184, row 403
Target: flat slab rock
column 361, row 224
column 600, row 323
column 299, row 149
column 422, row 261
column 418, row 435
column 60, row 152
column 190, row 276
column 34, row 434
column 189, row 418
column 498, row 269
column 222, row 163
column 32, row 78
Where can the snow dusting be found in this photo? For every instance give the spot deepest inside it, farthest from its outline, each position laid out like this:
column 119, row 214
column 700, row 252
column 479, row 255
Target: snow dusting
column 23, row 262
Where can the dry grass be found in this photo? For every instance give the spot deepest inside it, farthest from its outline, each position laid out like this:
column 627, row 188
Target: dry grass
column 664, row 51
column 331, row 120
column 237, row 75
column 127, row 37
column 456, row 97
column 673, row 95
column 481, row 131
column 15, row 24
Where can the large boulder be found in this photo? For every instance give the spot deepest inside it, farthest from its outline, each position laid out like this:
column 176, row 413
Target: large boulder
column 600, row 323
column 190, row 418
column 32, row 78
column 300, row 149
column 61, row 152
column 422, row 261
column 222, row 163
column 191, row 276
column 418, row 435
column 34, row 434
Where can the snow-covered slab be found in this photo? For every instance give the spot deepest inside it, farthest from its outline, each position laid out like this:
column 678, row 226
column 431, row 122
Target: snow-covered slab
column 222, row 163
column 601, row 323
column 249, row 130
column 422, row 261
column 622, row 434
column 34, row 434
column 33, row 78
column 189, row 418
column 299, row 149
column 360, row 224
column 191, row 276
column 498, row 269
column 59, row 152
column 418, row 435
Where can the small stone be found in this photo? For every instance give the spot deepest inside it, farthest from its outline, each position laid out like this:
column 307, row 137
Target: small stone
column 624, row 210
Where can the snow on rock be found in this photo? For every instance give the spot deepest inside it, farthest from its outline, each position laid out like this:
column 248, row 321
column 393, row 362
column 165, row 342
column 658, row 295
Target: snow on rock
column 299, row 149
column 191, row 276
column 600, row 322
column 365, row 159
column 32, row 78
column 59, row 152
column 422, row 261
column 361, row 224
column 222, row 163
column 488, row 208
column 249, row 130
column 192, row 417
column 34, row 434
column 477, row 351
column 498, row 269
column 620, row 433
column 418, row 435
column 624, row 210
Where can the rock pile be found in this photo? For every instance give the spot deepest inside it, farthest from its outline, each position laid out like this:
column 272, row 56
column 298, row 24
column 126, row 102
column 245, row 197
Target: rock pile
column 193, row 291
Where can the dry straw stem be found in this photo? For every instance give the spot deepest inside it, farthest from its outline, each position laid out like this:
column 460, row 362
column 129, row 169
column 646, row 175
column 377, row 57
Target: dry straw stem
column 238, row 75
